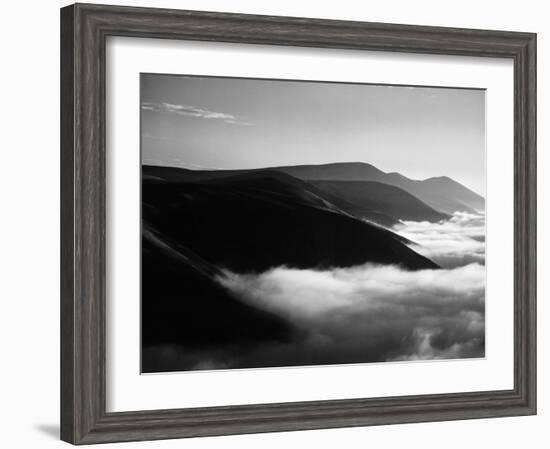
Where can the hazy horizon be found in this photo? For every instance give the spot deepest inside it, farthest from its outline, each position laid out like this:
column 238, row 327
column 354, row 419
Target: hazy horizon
column 217, row 123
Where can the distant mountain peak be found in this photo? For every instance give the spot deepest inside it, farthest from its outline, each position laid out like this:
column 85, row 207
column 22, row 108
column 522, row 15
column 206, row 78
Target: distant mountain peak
column 340, row 163
column 439, row 178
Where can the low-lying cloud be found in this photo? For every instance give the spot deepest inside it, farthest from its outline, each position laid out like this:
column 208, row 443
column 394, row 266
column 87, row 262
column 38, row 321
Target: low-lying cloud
column 451, row 243
column 364, row 314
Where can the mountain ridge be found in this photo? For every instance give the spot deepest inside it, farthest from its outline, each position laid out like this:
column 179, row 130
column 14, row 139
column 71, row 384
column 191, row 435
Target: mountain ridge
column 256, row 224
column 381, row 198
column 441, row 193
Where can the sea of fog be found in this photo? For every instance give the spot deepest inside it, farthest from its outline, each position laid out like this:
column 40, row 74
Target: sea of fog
column 370, row 312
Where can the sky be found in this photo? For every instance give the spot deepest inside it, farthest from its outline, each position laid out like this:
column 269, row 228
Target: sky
column 226, row 123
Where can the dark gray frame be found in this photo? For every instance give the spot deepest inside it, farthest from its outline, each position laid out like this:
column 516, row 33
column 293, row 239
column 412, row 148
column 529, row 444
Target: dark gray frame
column 84, row 29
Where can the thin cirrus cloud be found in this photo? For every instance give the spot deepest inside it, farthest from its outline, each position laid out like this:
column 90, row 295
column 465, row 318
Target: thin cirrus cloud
column 191, row 111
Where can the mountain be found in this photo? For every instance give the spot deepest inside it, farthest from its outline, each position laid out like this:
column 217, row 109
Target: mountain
column 315, row 195
column 193, row 232
column 368, row 196
column 184, row 306
column 258, row 221
column 441, row 193
column 178, row 175
column 340, row 171
column 347, row 171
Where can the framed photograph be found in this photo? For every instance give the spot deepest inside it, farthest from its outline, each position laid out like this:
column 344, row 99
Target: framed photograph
column 275, row 223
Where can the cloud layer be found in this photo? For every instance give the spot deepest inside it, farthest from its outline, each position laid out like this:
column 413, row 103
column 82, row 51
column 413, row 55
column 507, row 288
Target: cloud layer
column 364, row 314
column 367, row 313
column 191, row 111
column 452, row 243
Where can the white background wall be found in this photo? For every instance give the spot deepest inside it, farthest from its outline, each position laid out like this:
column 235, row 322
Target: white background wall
column 29, row 224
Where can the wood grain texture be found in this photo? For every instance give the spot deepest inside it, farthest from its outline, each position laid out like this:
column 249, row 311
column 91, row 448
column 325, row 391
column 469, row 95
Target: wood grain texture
column 84, row 29
column 67, row 226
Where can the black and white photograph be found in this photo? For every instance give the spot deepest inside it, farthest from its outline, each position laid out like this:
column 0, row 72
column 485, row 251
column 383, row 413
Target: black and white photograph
column 299, row 223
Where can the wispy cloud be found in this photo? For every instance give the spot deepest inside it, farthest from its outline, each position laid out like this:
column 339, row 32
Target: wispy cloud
column 150, row 136
column 191, row 111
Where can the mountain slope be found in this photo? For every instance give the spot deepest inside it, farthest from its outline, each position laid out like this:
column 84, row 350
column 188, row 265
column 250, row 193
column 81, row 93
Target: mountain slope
column 179, row 175
column 183, row 305
column 192, row 232
column 368, row 196
column 316, row 196
column 442, row 193
column 253, row 224
column 348, row 171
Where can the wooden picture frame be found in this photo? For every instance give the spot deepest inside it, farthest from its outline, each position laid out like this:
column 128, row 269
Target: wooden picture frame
column 84, row 29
